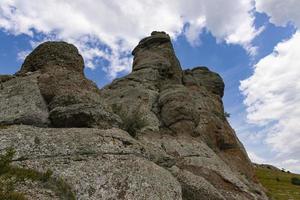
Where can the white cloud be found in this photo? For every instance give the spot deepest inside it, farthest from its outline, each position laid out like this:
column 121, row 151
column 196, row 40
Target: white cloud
column 272, row 98
column 288, row 164
column 281, row 12
column 22, row 55
column 255, row 158
column 119, row 25
column 272, row 93
column 193, row 29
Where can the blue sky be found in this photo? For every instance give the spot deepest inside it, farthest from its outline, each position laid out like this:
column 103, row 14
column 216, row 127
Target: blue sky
column 253, row 45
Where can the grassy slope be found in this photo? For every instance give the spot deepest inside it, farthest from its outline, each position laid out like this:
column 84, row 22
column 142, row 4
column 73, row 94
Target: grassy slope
column 281, row 189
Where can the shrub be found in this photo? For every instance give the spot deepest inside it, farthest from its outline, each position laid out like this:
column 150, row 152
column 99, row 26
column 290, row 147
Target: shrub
column 7, row 180
column 295, row 181
column 131, row 123
column 227, row 115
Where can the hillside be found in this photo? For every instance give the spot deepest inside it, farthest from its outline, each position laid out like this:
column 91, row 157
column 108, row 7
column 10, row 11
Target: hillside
column 278, row 183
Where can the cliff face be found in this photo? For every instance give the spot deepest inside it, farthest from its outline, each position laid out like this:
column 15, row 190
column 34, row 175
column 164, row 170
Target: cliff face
column 158, row 133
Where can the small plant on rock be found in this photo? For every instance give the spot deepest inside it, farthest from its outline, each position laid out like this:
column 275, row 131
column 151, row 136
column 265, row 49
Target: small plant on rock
column 227, row 115
column 132, row 123
column 11, row 176
column 7, row 179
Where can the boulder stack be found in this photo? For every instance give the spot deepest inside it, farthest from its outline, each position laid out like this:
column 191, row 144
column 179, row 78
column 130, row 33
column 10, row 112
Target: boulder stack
column 62, row 94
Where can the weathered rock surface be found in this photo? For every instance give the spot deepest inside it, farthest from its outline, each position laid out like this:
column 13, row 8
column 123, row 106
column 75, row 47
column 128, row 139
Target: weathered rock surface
column 98, row 164
column 61, row 83
column 186, row 121
column 185, row 148
column 51, row 56
column 22, row 103
column 4, row 78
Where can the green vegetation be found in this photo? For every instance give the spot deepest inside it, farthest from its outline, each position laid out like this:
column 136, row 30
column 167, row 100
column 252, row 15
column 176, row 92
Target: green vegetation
column 295, row 181
column 132, row 123
column 278, row 183
column 221, row 115
column 11, row 176
column 227, row 115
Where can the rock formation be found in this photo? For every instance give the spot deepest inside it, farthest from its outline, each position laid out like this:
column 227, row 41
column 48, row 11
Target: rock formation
column 158, row 133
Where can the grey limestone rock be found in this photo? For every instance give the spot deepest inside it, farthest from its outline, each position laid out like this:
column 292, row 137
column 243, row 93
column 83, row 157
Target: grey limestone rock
column 189, row 127
column 183, row 146
column 72, row 100
column 53, row 55
column 22, row 103
column 96, row 164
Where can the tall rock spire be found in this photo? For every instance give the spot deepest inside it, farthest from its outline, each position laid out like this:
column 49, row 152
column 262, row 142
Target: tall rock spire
column 156, row 52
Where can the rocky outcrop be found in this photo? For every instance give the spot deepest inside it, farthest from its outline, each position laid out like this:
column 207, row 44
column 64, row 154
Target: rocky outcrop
column 72, row 100
column 158, row 133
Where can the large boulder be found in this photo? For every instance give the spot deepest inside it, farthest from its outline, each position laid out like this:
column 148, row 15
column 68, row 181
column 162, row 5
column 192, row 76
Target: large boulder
column 195, row 160
column 22, row 103
column 71, row 99
column 53, row 55
column 74, row 101
column 202, row 76
column 94, row 164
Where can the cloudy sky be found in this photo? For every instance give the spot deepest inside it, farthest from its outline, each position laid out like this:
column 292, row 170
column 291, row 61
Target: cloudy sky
column 253, row 44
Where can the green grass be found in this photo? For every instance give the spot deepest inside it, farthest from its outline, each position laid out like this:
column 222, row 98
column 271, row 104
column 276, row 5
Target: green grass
column 279, row 184
column 11, row 176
